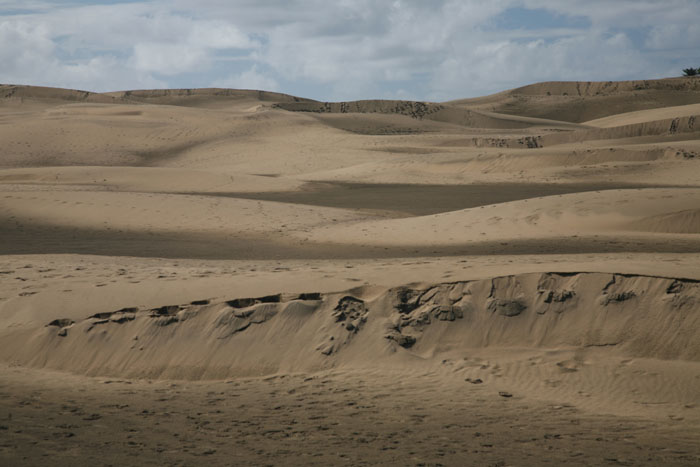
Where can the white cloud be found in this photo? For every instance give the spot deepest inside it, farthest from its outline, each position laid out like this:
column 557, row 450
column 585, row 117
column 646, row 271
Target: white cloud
column 674, row 36
column 344, row 49
column 249, row 79
column 108, row 71
column 571, row 58
column 219, row 35
column 32, row 49
column 33, row 60
column 168, row 59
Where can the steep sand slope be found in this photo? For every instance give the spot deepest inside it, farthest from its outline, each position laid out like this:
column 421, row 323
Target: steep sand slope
column 633, row 315
column 37, row 288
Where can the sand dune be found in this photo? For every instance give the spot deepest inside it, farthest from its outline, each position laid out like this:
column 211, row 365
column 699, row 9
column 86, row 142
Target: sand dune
column 541, row 340
column 635, row 316
column 203, row 97
column 674, row 126
column 37, row 96
column 125, row 135
column 667, row 163
column 648, row 131
column 425, row 111
column 644, row 116
column 505, row 280
column 578, row 102
column 686, row 221
column 140, row 180
column 607, row 212
column 592, row 89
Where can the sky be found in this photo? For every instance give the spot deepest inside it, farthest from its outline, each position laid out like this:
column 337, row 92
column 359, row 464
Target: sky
column 344, row 49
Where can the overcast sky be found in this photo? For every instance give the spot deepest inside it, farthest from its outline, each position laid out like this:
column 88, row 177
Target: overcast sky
column 344, row 49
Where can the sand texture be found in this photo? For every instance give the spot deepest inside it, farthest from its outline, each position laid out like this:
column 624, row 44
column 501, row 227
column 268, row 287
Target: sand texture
column 232, row 277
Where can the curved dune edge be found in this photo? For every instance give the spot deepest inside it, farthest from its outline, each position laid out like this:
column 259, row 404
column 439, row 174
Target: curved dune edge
column 612, row 212
column 643, row 116
column 629, row 315
column 442, row 113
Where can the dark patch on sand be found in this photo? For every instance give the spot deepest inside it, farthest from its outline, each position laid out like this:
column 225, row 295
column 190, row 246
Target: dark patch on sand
column 52, row 239
column 421, row 200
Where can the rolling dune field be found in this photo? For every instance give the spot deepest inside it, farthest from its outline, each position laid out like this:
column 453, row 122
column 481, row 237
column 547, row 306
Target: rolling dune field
column 238, row 277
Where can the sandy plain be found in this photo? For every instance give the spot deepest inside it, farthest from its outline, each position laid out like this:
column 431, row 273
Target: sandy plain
column 230, row 277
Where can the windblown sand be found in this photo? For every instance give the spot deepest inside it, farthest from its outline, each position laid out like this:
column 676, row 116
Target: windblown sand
column 228, row 277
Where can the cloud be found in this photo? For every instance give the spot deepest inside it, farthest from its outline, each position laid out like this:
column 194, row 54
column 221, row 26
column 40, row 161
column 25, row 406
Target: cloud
column 347, row 49
column 108, row 71
column 33, row 49
column 249, row 79
column 105, row 47
column 218, row 35
column 674, row 36
column 33, row 60
column 168, row 59
column 492, row 66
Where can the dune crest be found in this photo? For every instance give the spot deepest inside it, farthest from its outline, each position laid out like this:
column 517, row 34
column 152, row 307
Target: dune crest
column 633, row 316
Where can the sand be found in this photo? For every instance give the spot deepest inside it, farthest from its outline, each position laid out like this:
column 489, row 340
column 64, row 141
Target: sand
column 232, row 277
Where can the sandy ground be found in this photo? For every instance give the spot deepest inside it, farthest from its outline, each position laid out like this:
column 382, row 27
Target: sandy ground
column 349, row 418
column 232, row 277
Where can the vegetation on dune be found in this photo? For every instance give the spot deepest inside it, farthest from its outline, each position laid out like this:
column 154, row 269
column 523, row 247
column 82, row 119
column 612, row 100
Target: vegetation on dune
column 691, row 71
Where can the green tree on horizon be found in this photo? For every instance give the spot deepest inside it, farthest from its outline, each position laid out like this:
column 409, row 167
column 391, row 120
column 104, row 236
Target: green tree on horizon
column 691, row 71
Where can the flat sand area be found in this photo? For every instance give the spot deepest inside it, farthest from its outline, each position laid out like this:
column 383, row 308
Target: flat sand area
column 328, row 418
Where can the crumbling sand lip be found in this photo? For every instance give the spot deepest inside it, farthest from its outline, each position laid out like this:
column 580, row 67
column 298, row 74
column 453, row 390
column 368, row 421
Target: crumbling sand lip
column 635, row 316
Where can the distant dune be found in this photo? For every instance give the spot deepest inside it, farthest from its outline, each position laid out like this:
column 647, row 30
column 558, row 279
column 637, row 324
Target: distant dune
column 577, row 101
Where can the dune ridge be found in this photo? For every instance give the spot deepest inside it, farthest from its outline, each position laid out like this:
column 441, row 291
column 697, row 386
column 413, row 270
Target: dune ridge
column 579, row 101
column 18, row 94
column 595, row 88
column 636, row 316
column 670, row 128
